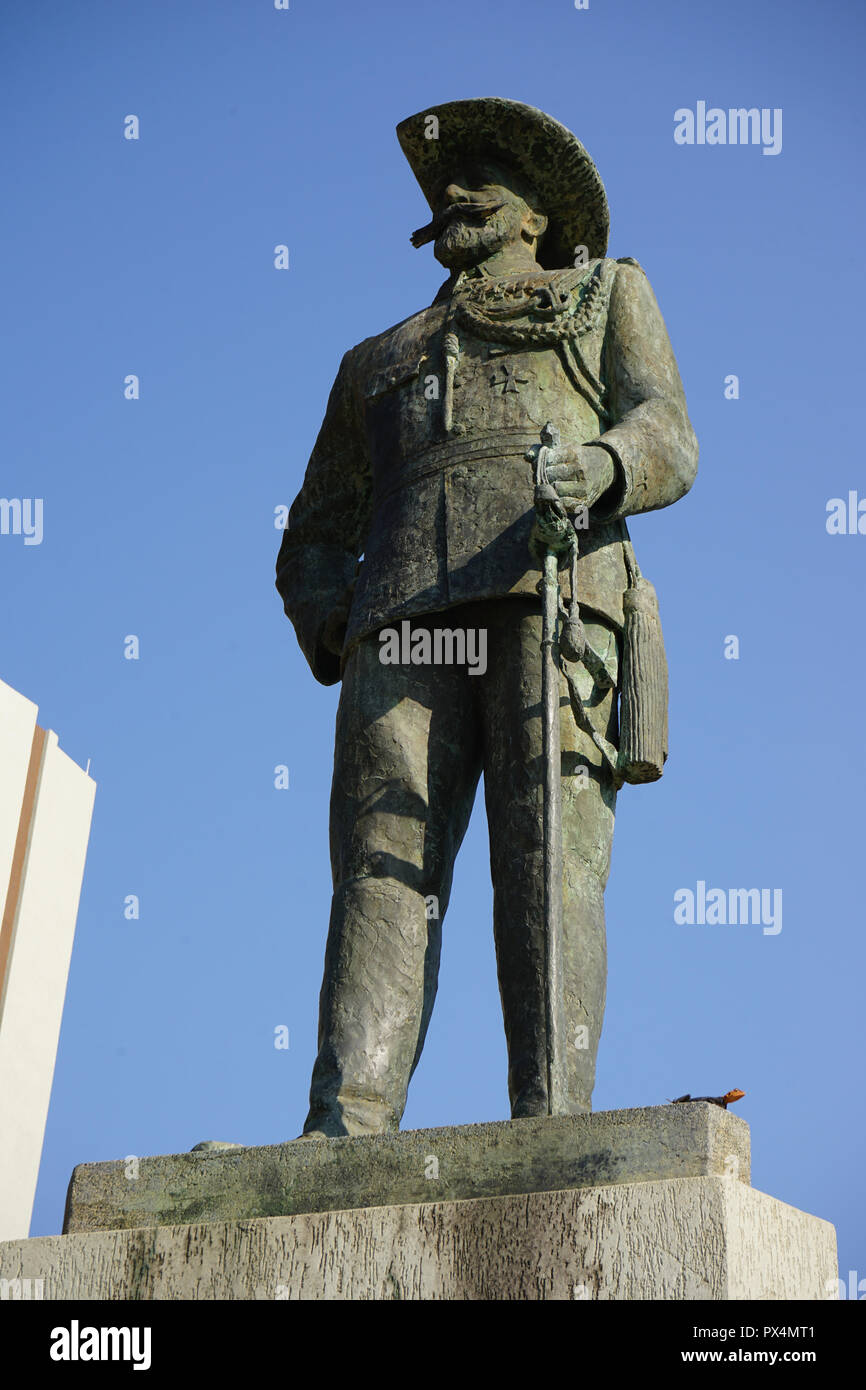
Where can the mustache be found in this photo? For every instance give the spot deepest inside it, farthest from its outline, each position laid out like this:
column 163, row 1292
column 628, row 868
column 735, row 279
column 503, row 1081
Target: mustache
column 470, row 212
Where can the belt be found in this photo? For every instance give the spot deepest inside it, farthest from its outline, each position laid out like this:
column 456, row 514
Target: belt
column 436, row 458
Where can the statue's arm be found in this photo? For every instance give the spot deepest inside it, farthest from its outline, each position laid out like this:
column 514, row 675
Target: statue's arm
column 328, row 524
column 651, row 440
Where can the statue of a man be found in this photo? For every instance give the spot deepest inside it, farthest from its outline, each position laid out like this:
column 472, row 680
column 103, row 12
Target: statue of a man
column 415, row 519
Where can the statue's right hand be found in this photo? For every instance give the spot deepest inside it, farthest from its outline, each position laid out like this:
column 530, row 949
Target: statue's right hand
column 334, row 630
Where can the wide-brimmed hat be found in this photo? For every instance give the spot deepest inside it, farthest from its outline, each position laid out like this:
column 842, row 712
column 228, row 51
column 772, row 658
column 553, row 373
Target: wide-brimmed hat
column 537, row 148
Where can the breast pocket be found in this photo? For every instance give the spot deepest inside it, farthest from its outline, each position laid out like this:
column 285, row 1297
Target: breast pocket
column 397, row 417
column 381, row 383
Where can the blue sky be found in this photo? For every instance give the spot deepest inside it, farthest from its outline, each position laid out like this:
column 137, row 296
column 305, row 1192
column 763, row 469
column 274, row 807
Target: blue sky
column 155, row 257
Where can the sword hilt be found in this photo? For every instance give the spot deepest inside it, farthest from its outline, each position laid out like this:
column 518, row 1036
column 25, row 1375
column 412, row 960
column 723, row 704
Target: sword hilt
column 552, row 530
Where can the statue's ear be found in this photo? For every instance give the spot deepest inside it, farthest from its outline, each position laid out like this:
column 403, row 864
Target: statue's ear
column 534, row 225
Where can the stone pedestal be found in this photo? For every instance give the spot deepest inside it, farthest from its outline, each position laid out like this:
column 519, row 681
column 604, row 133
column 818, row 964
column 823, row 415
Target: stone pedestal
column 422, row 1165
column 572, row 1208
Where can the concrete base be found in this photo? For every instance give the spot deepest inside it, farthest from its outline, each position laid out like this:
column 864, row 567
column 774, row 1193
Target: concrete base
column 422, row 1165
column 681, row 1238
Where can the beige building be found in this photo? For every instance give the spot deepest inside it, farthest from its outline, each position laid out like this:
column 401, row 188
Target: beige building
column 46, row 803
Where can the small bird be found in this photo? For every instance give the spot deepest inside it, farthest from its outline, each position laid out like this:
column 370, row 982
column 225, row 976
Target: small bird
column 724, row 1101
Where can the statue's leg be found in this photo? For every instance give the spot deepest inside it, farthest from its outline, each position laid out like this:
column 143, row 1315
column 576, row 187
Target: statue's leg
column 406, row 768
column 513, row 781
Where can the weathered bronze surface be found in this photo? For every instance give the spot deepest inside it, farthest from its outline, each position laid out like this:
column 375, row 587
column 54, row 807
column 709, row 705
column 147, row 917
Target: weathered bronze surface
column 418, row 506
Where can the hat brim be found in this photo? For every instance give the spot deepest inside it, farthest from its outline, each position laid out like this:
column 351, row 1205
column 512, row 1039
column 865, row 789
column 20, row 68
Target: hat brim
column 537, row 148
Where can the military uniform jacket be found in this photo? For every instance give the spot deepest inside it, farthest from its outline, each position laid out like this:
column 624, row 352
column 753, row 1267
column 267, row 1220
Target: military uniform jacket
column 420, row 464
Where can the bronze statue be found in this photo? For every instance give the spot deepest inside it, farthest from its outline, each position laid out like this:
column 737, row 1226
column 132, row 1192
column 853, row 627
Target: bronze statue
column 431, row 504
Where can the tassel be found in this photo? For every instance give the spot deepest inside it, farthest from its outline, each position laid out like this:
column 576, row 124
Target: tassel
column 572, row 637
column 643, row 746
column 452, row 352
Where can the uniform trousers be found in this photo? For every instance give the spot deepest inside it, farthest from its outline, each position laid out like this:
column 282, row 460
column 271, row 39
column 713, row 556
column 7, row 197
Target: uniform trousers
column 411, row 744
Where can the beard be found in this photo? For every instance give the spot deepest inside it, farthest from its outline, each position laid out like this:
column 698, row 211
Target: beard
column 464, row 242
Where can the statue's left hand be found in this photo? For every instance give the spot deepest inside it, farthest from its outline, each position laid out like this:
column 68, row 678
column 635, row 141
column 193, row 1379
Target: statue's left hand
column 580, row 473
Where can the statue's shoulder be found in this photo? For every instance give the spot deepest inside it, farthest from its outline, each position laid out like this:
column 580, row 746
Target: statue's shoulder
column 603, row 267
column 395, row 342
column 627, row 271
column 589, row 280
column 625, row 280
column 633, row 288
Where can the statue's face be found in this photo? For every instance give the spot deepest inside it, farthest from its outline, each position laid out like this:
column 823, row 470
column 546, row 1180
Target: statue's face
column 484, row 215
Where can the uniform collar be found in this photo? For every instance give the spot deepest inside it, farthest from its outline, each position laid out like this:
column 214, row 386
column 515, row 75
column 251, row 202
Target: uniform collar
column 455, row 283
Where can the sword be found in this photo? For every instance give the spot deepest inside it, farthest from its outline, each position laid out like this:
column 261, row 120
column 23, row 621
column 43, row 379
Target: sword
column 553, row 543
column 553, row 536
